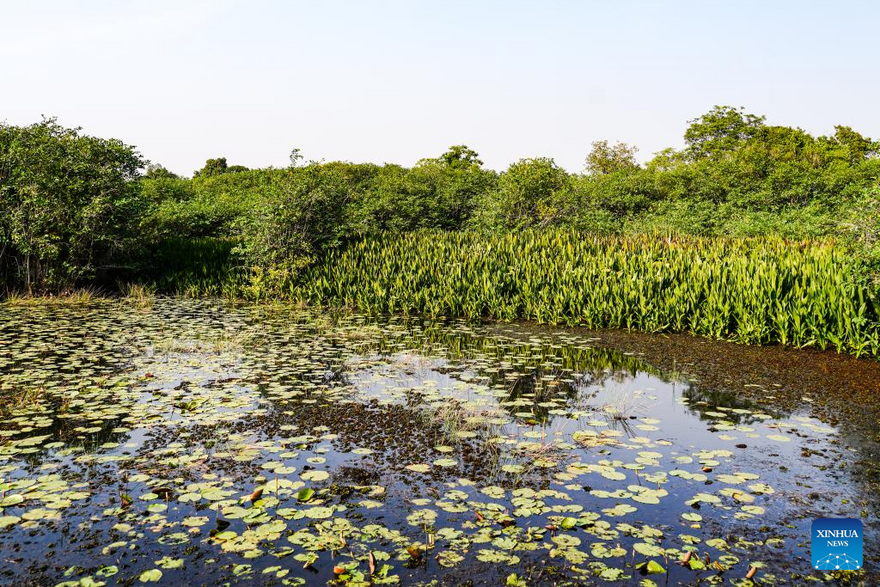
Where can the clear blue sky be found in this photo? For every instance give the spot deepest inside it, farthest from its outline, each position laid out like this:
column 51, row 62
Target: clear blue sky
column 398, row 81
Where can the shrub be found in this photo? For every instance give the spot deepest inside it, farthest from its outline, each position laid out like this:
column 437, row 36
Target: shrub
column 67, row 201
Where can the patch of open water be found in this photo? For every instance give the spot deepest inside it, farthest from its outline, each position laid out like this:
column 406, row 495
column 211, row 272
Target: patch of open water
column 203, row 443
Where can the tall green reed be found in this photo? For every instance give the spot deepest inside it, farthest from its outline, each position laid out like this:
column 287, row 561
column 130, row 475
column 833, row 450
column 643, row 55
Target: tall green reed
column 756, row 291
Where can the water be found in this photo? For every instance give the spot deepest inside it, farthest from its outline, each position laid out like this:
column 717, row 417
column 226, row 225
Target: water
column 200, row 443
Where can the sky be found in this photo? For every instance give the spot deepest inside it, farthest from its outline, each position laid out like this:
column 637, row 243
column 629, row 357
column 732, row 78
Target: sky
column 384, row 81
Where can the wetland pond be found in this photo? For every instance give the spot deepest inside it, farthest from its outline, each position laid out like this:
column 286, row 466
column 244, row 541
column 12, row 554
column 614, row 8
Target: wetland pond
column 205, row 443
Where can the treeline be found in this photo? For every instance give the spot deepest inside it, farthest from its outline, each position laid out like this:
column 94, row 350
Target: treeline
column 75, row 208
column 737, row 176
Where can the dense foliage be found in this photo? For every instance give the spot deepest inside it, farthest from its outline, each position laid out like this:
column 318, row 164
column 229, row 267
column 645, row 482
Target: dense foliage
column 750, row 290
column 67, row 202
column 75, row 207
column 736, row 176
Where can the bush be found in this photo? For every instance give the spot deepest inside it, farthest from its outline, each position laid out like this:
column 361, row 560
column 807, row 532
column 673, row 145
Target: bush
column 531, row 193
column 300, row 216
column 861, row 227
column 67, row 201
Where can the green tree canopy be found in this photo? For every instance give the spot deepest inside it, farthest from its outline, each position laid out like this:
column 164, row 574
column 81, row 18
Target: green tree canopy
column 66, row 202
column 720, row 130
column 159, row 172
column 530, row 192
column 605, row 158
column 218, row 166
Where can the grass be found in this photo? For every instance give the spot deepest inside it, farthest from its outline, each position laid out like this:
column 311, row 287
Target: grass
column 80, row 296
column 137, row 295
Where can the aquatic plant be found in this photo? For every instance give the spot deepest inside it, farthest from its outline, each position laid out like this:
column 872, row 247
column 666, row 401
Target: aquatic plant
column 261, row 443
column 80, row 296
column 755, row 290
column 196, row 267
column 137, row 295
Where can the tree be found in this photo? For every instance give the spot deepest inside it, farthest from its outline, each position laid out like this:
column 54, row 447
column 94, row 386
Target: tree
column 212, row 167
column 457, row 180
column 68, row 202
column 218, row 166
column 459, row 156
column 604, row 158
column 296, row 157
column 722, row 129
column 394, row 200
column 158, row 188
column 858, row 146
column 299, row 216
column 159, row 172
column 532, row 192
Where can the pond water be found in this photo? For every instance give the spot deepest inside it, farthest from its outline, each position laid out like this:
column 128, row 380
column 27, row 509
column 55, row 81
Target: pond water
column 198, row 442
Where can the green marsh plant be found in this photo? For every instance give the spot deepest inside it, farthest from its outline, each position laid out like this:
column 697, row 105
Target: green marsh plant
column 749, row 290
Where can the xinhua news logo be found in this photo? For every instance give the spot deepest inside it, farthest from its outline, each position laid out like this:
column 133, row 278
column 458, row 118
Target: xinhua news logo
column 836, row 544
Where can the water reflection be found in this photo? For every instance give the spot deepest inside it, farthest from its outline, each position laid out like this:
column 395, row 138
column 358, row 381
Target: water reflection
column 189, row 432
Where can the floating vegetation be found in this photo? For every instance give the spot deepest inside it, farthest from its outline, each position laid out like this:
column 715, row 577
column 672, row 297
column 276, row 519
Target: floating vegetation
column 271, row 445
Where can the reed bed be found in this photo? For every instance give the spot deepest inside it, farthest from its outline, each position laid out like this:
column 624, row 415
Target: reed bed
column 755, row 291
column 196, row 267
